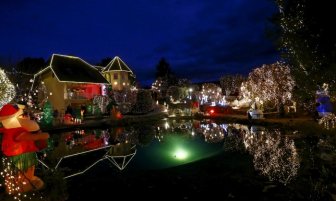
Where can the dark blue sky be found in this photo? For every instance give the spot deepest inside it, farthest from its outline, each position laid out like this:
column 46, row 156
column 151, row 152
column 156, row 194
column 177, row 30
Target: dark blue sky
column 201, row 39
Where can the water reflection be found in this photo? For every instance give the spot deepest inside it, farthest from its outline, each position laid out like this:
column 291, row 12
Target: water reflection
column 121, row 154
column 273, row 155
column 172, row 143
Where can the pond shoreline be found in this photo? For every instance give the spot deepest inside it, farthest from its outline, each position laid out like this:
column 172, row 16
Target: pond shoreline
column 107, row 121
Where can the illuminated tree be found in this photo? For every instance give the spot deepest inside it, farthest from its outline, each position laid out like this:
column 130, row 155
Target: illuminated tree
column 38, row 94
column 125, row 96
column 211, row 93
column 160, row 87
column 7, row 89
column 101, row 102
column 307, row 43
column 271, row 84
column 47, row 117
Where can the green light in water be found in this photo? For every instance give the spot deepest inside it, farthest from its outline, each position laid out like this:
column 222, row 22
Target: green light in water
column 180, row 154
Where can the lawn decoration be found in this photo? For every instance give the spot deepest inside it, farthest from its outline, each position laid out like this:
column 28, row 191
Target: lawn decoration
column 21, row 139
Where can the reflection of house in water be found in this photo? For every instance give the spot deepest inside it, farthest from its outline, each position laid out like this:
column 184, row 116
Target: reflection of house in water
column 121, row 154
column 79, row 151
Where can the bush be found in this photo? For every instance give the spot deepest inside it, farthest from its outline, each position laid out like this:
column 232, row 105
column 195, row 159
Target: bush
column 144, row 102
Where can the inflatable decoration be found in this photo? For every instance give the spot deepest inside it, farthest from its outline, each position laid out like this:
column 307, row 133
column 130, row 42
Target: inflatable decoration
column 21, row 140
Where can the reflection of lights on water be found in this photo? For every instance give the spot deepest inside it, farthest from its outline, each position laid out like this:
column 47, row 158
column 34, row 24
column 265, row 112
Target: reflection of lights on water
column 180, row 154
column 273, row 155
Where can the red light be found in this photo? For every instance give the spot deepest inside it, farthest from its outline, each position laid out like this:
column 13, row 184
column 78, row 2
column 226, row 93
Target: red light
column 212, row 111
column 119, row 115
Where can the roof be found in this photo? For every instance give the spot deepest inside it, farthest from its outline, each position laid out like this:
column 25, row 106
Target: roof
column 99, row 68
column 117, row 65
column 74, row 69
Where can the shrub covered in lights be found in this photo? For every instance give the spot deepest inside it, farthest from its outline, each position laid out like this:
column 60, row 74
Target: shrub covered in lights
column 211, row 93
column 7, row 89
column 271, row 84
column 47, row 117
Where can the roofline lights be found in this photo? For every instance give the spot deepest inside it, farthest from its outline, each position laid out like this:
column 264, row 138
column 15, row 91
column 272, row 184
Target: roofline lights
column 109, row 65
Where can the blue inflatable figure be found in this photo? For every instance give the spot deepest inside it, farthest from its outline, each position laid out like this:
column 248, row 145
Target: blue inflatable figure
column 324, row 105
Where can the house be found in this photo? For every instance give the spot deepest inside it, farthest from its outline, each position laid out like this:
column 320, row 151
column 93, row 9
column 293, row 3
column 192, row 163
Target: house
column 69, row 81
column 118, row 74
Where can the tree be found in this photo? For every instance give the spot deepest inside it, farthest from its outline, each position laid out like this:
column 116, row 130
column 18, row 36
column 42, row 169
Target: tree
column 164, row 72
column 7, row 89
column 159, row 88
column 163, row 69
column 144, row 102
column 184, row 82
column 231, row 83
column 308, row 43
column 271, row 84
column 211, row 93
column 23, row 75
column 174, row 93
column 47, row 117
column 30, row 65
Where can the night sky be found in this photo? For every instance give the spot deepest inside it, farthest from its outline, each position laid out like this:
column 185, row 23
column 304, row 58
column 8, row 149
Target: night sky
column 201, row 39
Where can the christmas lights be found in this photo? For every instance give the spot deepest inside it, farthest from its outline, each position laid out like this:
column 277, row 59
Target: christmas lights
column 270, row 84
column 273, row 155
column 7, row 89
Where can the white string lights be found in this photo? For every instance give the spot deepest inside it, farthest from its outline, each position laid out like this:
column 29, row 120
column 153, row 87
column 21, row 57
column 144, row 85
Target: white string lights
column 7, row 89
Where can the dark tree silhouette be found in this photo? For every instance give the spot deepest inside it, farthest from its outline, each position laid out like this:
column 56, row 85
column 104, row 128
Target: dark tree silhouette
column 30, row 65
column 164, row 71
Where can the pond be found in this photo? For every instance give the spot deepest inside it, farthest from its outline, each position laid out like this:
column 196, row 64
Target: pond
column 185, row 159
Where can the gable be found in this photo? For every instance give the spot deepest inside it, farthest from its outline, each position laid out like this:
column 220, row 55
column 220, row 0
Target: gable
column 117, row 65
